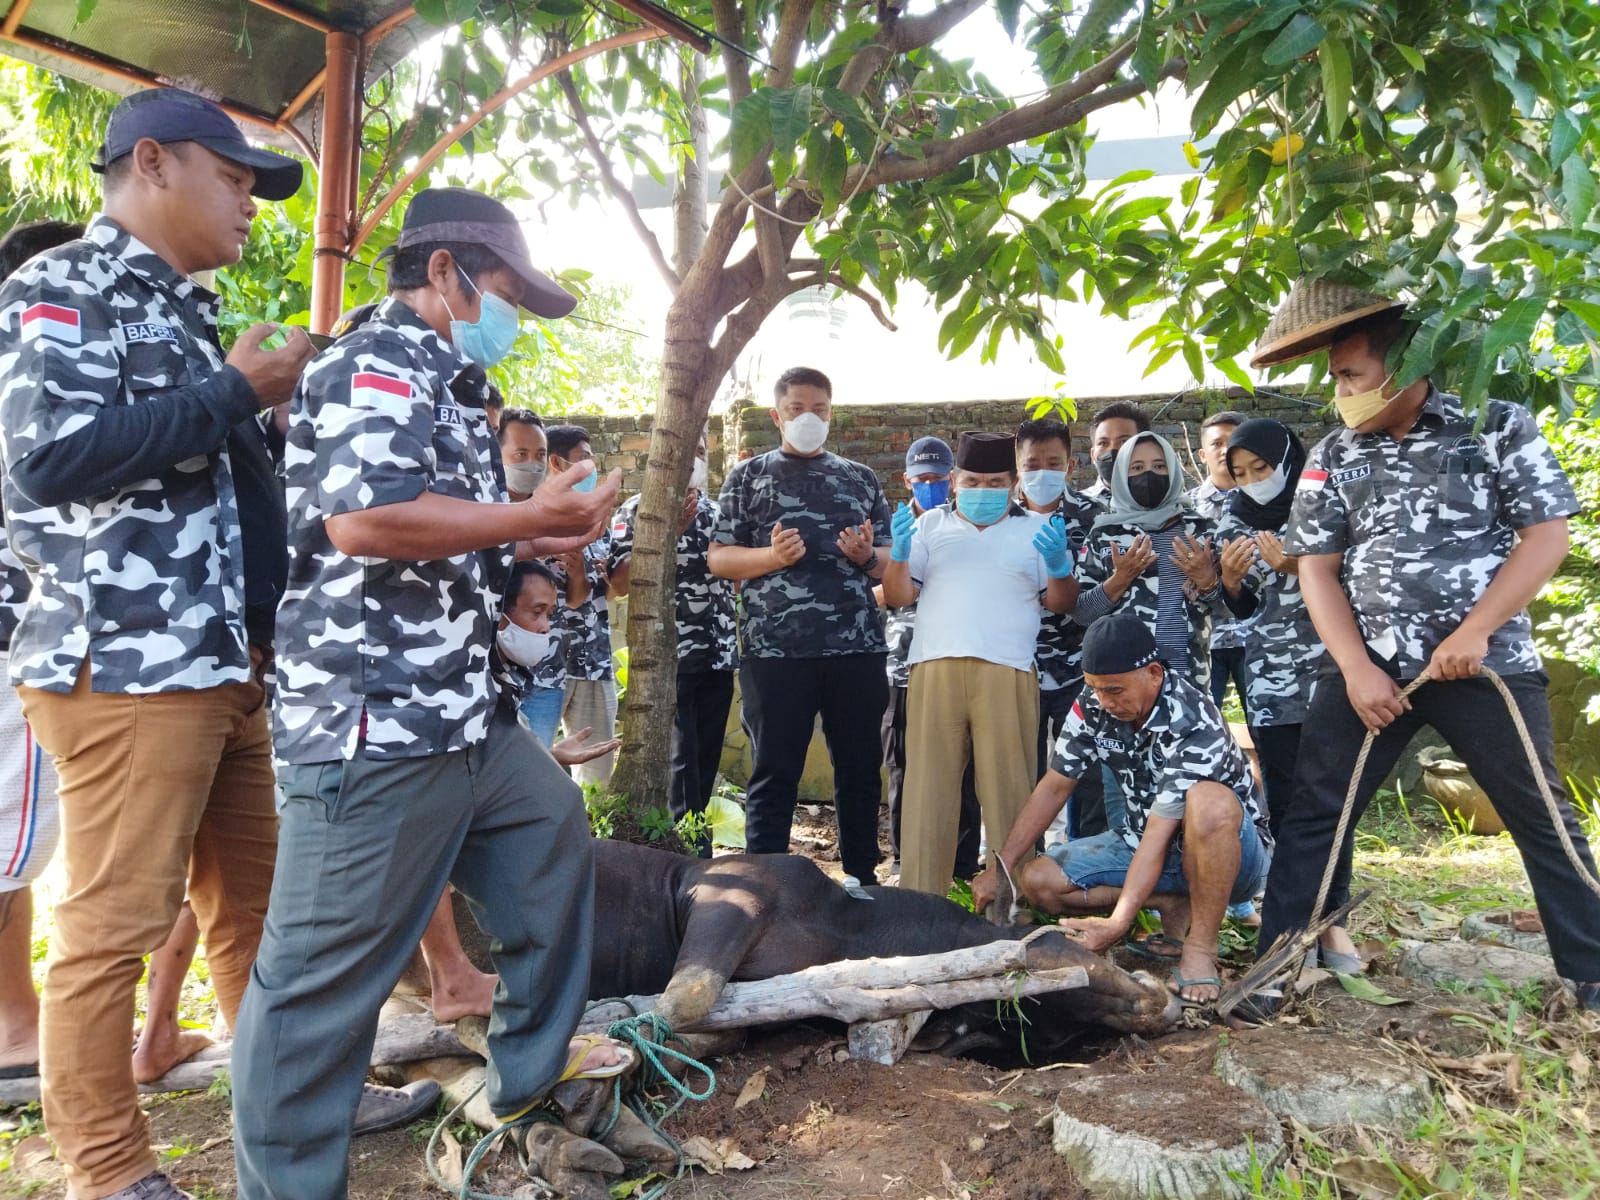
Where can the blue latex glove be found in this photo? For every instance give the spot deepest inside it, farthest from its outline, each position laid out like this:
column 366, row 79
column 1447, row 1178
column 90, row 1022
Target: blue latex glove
column 901, row 527
column 1051, row 543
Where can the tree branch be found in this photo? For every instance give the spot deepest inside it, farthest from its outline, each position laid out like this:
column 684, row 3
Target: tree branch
column 614, row 185
column 902, row 37
column 731, row 29
column 872, row 302
column 1067, row 105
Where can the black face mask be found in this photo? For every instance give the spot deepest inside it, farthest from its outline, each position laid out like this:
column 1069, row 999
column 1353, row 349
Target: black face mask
column 1148, row 490
column 1103, row 466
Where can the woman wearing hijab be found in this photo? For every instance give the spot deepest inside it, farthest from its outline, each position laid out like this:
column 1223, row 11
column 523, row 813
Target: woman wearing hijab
column 1150, row 554
column 1282, row 650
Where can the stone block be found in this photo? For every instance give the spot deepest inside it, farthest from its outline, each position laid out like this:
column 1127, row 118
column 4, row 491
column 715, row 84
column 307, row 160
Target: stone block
column 1322, row 1079
column 1470, row 964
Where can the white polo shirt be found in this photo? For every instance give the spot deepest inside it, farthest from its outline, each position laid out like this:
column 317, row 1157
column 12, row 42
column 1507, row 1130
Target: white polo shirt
column 980, row 588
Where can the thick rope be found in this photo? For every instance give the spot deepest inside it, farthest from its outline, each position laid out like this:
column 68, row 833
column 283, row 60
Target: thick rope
column 1552, row 805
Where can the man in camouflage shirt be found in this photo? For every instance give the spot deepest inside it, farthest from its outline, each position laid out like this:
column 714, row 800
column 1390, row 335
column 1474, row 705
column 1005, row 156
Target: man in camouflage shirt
column 399, row 768
column 1210, row 499
column 1196, row 834
column 1422, row 536
column 708, row 651
column 802, row 529
column 140, row 496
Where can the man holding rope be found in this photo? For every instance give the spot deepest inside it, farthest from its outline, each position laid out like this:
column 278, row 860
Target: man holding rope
column 1421, row 537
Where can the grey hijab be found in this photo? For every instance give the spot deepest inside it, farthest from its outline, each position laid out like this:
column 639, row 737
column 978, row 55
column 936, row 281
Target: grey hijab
column 1125, row 510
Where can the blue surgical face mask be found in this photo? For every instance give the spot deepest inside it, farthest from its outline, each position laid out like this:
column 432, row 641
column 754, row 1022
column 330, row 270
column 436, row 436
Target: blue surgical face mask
column 586, row 484
column 488, row 339
column 930, row 493
column 1043, row 487
column 983, row 506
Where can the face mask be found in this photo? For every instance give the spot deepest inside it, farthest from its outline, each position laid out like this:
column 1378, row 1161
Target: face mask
column 806, row 433
column 1148, row 490
column 1043, row 487
column 523, row 646
column 586, row 484
column 524, row 478
column 1357, row 410
column 931, row 493
column 1265, row 491
column 1103, row 466
column 983, row 506
column 698, row 476
column 488, row 339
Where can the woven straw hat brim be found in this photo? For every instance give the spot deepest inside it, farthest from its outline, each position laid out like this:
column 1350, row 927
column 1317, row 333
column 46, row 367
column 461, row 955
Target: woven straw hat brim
column 1318, row 336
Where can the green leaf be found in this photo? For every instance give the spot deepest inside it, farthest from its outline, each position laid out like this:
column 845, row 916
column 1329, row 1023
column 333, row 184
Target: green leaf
column 1008, row 10
column 790, row 110
column 1092, row 29
column 1490, row 100
column 1577, row 188
column 1299, row 37
column 1363, row 988
column 86, row 10
column 1232, row 79
column 1146, row 61
column 1514, row 327
column 1586, row 311
column 1335, row 62
column 828, row 173
column 752, row 129
column 1564, row 137
column 1234, row 372
column 435, row 12
column 1414, row 60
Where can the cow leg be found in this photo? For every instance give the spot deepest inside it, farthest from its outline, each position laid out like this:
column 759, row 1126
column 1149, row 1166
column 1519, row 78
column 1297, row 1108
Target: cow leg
column 1130, row 1003
column 728, row 913
column 574, row 1166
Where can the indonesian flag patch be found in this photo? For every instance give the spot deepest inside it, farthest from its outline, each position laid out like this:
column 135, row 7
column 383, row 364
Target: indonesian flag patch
column 619, row 526
column 54, row 321
column 1312, row 481
column 372, row 390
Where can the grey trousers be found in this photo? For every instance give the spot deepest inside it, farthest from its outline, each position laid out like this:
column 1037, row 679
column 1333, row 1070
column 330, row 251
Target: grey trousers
column 364, row 851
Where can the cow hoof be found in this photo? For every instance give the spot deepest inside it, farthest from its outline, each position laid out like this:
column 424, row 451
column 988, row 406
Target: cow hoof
column 689, row 996
column 582, row 1103
column 552, row 1151
column 473, row 1033
column 634, row 1141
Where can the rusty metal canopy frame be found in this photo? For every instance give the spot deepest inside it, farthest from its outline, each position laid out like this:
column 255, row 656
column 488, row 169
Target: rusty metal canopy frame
column 265, row 62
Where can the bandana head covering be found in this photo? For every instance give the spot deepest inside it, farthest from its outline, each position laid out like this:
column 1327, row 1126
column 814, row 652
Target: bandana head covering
column 1125, row 510
column 1273, row 443
column 1117, row 644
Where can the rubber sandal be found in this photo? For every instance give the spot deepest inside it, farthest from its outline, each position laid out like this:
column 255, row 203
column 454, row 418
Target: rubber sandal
column 1589, row 996
column 1199, row 981
column 20, row 1071
column 1341, row 964
column 584, row 1043
column 1146, row 947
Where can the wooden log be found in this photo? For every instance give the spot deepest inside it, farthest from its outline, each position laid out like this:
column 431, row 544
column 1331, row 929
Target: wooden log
column 403, row 1039
column 794, row 998
column 884, row 1042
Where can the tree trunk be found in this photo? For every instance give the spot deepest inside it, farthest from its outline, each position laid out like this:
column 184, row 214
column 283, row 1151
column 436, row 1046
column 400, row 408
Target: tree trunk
column 689, row 196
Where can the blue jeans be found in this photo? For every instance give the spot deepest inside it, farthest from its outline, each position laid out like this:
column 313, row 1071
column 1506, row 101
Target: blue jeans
column 1102, row 860
column 541, row 713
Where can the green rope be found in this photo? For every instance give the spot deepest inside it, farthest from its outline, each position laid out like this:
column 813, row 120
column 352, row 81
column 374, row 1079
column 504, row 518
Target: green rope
column 651, row 1038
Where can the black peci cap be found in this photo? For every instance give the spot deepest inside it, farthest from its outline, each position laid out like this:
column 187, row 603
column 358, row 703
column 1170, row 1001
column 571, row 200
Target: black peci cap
column 987, row 453
column 170, row 115
column 1116, row 644
column 454, row 214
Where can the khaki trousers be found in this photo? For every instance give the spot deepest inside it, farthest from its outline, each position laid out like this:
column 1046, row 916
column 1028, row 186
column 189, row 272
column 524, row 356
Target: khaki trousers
column 961, row 707
column 155, row 789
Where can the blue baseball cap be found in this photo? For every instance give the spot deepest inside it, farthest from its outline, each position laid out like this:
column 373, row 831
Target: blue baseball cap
column 929, row 456
column 168, row 115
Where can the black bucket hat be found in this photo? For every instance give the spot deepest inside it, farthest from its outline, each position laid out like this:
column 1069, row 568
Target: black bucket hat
column 171, row 115
column 454, row 214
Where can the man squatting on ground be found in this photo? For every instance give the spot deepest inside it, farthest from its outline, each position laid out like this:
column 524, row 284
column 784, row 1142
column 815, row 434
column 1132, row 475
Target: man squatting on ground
column 1421, row 537
column 399, row 767
column 1196, row 833
column 141, row 498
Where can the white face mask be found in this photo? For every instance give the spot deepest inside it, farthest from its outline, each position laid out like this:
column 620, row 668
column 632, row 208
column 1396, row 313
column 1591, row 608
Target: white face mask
column 1043, row 487
column 523, row 646
column 1265, row 491
column 524, row 478
column 805, row 433
column 697, row 477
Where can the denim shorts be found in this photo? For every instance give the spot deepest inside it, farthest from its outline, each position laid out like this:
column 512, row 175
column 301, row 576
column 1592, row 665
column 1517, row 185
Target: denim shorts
column 1103, row 859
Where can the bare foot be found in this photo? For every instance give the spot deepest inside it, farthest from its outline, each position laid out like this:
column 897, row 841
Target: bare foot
column 598, row 1052
column 463, row 993
column 1174, row 912
column 21, row 1050
column 1200, row 982
column 162, row 1047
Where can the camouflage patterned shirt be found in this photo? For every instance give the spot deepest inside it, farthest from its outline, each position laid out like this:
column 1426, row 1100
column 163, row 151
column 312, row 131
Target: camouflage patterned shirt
column 1059, row 655
column 1425, row 523
column 1184, row 741
column 14, row 588
column 586, row 629
column 707, row 633
column 381, row 656
column 1211, row 502
column 146, row 580
column 1281, row 648
column 822, row 605
column 899, row 627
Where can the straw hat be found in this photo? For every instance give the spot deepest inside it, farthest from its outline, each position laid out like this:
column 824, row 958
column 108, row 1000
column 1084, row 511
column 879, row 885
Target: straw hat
column 1310, row 315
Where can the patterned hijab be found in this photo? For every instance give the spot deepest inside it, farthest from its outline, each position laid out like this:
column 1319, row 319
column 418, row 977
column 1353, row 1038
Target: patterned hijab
column 1125, row 510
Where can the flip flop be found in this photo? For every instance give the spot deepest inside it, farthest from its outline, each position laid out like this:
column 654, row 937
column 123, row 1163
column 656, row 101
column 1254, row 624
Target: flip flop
column 1148, row 947
column 20, row 1071
column 584, row 1043
column 1198, row 981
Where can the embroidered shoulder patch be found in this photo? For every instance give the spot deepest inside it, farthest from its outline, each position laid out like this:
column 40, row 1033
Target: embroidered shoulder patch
column 54, row 321
column 1350, row 474
column 149, row 331
column 1311, row 481
column 369, row 389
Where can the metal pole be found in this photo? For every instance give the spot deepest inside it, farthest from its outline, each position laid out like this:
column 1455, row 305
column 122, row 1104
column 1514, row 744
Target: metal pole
column 336, row 183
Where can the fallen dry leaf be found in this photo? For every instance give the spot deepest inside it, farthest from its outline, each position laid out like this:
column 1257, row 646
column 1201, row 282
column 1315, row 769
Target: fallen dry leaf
column 452, row 1162
column 1578, row 1064
column 718, row 1156
column 31, row 1151
column 752, row 1089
